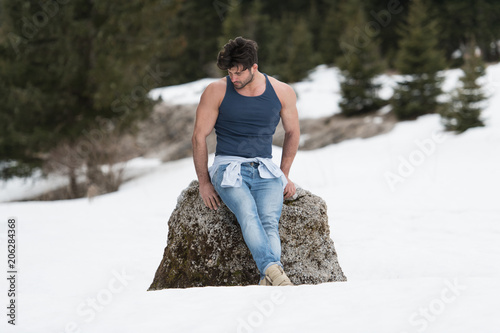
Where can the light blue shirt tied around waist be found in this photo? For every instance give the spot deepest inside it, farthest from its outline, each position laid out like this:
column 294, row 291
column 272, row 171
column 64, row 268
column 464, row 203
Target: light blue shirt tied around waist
column 232, row 175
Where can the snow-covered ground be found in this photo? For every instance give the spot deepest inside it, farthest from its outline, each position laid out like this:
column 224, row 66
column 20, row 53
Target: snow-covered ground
column 413, row 213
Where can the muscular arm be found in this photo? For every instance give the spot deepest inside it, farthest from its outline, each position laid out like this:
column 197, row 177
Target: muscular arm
column 206, row 116
column 290, row 120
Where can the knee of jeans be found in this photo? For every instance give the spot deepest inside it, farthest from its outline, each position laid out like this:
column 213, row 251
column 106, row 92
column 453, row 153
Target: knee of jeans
column 271, row 216
column 271, row 230
column 272, row 222
column 248, row 217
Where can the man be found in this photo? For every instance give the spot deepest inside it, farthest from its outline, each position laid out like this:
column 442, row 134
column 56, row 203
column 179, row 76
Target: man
column 244, row 108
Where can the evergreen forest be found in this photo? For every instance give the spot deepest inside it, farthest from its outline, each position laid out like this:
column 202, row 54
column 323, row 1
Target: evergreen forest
column 74, row 74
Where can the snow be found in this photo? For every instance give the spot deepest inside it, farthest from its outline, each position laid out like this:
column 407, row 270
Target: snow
column 413, row 213
column 319, row 94
column 188, row 93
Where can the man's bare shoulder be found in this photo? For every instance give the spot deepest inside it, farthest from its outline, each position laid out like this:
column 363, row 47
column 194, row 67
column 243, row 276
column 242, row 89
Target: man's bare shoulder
column 217, row 87
column 284, row 91
column 214, row 93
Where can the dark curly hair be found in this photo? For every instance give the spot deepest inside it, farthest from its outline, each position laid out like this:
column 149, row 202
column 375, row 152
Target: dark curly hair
column 238, row 51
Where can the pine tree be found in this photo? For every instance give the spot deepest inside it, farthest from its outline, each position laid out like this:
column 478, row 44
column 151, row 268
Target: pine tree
column 464, row 110
column 195, row 26
column 315, row 22
column 67, row 67
column 463, row 18
column 249, row 25
column 262, row 32
column 333, row 26
column 359, row 66
column 388, row 15
column 301, row 56
column 234, row 24
column 290, row 49
column 419, row 59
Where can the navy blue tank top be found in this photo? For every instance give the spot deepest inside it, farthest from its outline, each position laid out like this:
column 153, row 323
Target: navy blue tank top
column 245, row 125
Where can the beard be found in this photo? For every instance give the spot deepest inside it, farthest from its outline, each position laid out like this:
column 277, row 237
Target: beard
column 240, row 85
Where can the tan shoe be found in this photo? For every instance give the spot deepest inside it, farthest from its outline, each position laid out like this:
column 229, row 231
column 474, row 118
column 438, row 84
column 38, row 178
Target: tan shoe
column 265, row 282
column 275, row 276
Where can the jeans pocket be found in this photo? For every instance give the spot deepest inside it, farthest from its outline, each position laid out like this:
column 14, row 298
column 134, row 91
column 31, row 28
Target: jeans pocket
column 217, row 178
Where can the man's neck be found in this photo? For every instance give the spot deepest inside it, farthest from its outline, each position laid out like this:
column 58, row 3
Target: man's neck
column 256, row 87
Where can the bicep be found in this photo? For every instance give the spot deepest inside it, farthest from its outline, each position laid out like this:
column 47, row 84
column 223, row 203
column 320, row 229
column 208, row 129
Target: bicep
column 206, row 113
column 289, row 113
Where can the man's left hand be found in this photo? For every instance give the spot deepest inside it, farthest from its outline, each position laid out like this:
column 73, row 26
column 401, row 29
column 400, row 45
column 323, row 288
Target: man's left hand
column 289, row 190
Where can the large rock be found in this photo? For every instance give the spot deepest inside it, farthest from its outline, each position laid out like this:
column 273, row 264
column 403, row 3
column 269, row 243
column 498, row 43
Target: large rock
column 206, row 248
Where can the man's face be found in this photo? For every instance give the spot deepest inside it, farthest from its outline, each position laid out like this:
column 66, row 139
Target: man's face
column 240, row 77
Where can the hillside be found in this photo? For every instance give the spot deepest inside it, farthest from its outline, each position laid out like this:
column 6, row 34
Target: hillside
column 413, row 214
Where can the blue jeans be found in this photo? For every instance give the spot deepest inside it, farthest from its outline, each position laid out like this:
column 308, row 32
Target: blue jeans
column 257, row 206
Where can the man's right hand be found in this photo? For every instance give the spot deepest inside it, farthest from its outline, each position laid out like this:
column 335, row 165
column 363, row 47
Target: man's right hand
column 210, row 196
